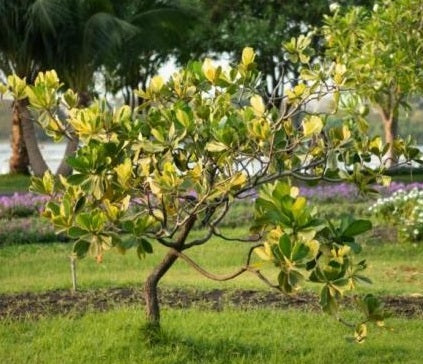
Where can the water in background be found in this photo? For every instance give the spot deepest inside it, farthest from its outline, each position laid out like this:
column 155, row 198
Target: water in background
column 52, row 153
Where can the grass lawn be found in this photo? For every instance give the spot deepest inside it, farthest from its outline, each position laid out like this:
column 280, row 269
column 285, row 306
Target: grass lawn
column 394, row 268
column 197, row 336
column 10, row 184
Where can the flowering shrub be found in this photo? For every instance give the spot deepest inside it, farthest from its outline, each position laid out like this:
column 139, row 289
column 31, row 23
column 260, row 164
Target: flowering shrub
column 350, row 192
column 27, row 231
column 404, row 210
column 21, row 205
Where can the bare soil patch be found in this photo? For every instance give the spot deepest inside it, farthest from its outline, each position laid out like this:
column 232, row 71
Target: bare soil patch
column 36, row 305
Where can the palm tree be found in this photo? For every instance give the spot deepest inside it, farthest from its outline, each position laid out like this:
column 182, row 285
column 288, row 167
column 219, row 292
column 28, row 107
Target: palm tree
column 18, row 49
column 74, row 37
column 161, row 29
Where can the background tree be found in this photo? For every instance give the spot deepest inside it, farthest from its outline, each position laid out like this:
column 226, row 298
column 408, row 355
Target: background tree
column 199, row 142
column 78, row 38
column 20, row 47
column 81, row 36
column 71, row 36
column 228, row 26
column 382, row 50
column 161, row 28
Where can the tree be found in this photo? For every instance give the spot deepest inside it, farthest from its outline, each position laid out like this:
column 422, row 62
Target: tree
column 161, row 27
column 81, row 36
column 228, row 26
column 74, row 37
column 199, row 142
column 382, row 51
column 19, row 46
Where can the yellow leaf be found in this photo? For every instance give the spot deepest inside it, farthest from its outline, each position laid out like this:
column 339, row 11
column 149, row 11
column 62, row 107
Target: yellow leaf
column 17, row 86
column 111, row 210
column 360, row 333
column 123, row 172
column 238, row 180
column 312, row 126
column 346, row 133
column 145, row 166
column 182, row 117
column 294, row 192
column 248, row 56
column 258, row 105
column 156, row 84
column 262, row 253
column 3, row 89
column 209, row 70
column 298, row 206
column 314, row 246
column 340, row 69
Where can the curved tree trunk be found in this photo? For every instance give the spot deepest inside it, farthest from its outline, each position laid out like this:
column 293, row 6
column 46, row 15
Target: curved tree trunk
column 36, row 160
column 150, row 286
column 19, row 162
column 150, row 289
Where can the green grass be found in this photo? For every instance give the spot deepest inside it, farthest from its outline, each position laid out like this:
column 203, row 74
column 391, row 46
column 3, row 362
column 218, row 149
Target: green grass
column 13, row 183
column 197, row 336
column 394, row 268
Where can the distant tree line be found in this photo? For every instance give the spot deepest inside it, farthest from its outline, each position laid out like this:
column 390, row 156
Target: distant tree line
column 126, row 41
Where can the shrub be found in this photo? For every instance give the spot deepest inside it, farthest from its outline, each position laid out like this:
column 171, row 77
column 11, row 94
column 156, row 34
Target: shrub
column 21, row 205
column 198, row 143
column 404, row 210
column 27, row 231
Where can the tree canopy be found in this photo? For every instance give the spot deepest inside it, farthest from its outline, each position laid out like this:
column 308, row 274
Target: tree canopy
column 198, row 143
column 382, row 50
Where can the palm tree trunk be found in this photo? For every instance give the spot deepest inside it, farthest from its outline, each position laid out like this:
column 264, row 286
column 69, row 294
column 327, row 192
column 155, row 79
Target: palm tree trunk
column 71, row 147
column 19, row 162
column 36, row 160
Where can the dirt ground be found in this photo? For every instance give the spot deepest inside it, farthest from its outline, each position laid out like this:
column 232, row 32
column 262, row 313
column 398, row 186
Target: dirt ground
column 36, row 305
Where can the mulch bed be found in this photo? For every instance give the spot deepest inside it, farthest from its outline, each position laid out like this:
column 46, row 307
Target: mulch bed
column 61, row 302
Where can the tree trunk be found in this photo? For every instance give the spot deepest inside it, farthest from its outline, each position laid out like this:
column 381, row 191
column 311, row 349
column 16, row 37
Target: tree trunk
column 150, row 286
column 150, row 289
column 36, row 160
column 390, row 125
column 64, row 168
column 19, row 162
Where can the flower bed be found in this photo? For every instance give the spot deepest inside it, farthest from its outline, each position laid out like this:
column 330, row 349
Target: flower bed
column 21, row 205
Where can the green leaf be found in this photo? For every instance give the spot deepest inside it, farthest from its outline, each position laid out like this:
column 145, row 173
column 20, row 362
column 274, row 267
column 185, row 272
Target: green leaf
column 76, row 232
column 355, row 247
column 84, row 220
column 285, row 245
column 81, row 248
column 327, row 301
column 77, row 179
column 362, row 279
column 300, row 251
column 146, row 245
column 294, row 278
column 357, row 227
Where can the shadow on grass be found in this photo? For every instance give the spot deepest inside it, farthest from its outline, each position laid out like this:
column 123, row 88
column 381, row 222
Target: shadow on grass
column 177, row 347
